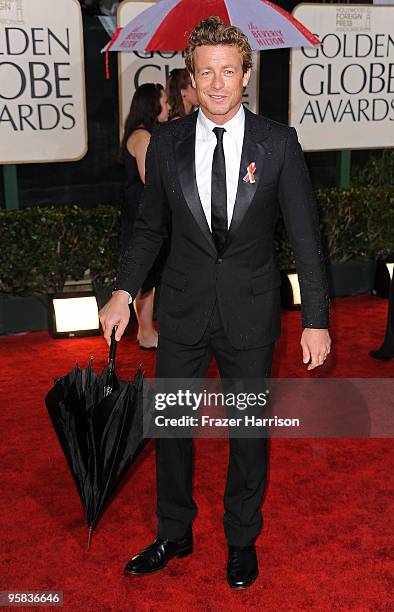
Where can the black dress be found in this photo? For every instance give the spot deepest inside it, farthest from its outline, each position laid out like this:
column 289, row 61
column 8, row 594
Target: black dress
column 386, row 351
column 129, row 213
column 388, row 342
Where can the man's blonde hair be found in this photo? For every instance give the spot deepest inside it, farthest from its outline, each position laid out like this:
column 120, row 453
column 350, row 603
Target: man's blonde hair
column 213, row 31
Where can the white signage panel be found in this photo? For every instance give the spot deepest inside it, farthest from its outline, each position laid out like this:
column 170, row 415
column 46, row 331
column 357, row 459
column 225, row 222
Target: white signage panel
column 342, row 92
column 42, row 81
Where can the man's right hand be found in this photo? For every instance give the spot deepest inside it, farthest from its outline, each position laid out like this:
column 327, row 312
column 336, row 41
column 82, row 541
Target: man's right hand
column 115, row 312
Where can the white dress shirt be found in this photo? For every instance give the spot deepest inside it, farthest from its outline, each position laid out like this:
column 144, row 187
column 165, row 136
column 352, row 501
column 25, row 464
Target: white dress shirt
column 205, row 146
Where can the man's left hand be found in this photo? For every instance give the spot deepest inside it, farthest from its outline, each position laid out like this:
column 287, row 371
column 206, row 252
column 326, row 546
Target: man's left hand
column 316, row 344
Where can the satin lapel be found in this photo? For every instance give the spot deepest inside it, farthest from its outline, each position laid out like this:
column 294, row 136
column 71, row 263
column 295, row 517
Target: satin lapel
column 253, row 150
column 185, row 161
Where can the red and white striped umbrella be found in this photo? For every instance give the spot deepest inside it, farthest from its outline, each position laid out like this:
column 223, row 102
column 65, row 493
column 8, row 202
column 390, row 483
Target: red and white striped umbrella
column 167, row 25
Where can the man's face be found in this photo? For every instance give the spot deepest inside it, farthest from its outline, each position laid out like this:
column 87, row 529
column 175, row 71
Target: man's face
column 219, row 81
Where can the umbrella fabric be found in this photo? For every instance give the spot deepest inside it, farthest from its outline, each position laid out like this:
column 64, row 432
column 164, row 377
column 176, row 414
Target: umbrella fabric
column 166, row 25
column 98, row 421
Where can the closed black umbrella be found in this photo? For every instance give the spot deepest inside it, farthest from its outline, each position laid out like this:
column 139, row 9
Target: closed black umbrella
column 98, row 420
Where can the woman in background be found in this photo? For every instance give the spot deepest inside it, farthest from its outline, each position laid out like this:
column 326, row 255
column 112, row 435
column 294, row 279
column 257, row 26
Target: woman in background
column 386, row 351
column 148, row 107
column 182, row 97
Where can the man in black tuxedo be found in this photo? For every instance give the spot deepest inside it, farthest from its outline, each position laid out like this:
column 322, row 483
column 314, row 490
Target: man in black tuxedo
column 216, row 178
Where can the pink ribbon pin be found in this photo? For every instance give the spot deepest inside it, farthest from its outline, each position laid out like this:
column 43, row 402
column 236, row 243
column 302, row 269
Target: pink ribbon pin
column 249, row 176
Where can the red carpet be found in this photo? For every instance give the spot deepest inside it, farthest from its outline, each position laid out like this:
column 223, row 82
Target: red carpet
column 327, row 542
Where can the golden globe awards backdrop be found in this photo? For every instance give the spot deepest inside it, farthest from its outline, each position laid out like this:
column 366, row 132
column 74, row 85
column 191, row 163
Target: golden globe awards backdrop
column 42, row 81
column 342, row 92
column 137, row 67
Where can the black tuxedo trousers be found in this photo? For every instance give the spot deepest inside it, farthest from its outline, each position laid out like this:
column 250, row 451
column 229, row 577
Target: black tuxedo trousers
column 248, row 458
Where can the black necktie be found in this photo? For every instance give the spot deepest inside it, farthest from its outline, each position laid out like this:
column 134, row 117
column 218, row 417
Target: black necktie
column 219, row 192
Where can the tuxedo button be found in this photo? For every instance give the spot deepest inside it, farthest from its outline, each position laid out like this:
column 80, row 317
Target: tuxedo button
column 219, row 260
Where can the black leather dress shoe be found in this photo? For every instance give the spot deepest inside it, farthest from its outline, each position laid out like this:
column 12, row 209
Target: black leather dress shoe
column 242, row 568
column 379, row 354
column 156, row 556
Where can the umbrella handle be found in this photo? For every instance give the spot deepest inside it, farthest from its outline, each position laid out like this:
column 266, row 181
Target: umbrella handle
column 111, row 364
column 112, row 349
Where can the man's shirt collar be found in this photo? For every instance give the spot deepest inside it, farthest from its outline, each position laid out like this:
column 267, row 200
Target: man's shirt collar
column 232, row 127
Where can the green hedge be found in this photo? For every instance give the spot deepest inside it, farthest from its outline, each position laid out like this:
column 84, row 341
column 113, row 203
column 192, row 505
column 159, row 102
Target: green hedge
column 355, row 222
column 377, row 172
column 42, row 247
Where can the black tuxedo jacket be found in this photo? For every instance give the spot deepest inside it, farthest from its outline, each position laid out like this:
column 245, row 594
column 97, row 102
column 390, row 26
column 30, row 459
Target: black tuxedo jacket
column 243, row 277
